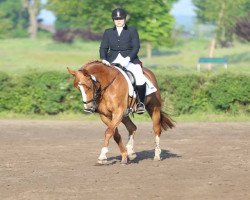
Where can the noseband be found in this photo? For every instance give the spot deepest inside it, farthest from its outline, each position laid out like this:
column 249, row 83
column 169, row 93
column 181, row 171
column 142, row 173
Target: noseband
column 96, row 94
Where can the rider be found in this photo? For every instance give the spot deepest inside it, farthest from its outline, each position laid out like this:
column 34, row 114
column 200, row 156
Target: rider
column 121, row 44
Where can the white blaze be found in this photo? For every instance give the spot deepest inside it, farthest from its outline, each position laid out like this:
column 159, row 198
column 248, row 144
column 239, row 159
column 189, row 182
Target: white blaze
column 84, row 96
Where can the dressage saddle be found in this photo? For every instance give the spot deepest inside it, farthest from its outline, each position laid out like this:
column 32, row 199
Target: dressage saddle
column 139, row 90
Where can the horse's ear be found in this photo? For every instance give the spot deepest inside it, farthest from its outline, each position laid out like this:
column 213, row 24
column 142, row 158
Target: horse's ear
column 72, row 72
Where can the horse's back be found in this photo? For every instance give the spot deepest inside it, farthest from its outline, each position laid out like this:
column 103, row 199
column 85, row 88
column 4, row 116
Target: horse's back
column 150, row 75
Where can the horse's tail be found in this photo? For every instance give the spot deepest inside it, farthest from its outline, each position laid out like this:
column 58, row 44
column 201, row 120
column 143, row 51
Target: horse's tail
column 166, row 121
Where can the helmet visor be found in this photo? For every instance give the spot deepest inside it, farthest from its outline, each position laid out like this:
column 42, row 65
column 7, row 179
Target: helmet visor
column 118, row 18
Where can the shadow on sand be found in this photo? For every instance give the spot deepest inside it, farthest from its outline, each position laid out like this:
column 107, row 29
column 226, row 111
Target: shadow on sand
column 144, row 155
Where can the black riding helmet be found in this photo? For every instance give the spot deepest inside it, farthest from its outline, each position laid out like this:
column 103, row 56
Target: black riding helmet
column 119, row 13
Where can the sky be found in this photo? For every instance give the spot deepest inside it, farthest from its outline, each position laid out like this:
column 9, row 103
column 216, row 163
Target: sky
column 182, row 7
column 47, row 16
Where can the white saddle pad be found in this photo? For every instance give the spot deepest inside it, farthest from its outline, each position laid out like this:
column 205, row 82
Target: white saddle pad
column 150, row 88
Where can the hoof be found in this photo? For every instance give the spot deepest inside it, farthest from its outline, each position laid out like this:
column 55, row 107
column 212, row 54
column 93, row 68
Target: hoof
column 157, row 158
column 132, row 156
column 102, row 162
column 124, row 162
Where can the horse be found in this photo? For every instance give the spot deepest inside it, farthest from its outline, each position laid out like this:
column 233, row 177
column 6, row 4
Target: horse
column 105, row 91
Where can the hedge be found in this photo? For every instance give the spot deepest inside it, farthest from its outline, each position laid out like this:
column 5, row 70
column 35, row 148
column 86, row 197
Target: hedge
column 52, row 93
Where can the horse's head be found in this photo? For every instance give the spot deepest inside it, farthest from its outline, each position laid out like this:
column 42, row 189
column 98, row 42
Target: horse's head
column 89, row 87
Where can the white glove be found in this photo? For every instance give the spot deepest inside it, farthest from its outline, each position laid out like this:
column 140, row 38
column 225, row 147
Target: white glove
column 106, row 62
column 125, row 61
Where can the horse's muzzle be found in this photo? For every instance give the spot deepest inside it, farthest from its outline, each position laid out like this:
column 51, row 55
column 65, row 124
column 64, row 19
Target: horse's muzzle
column 89, row 110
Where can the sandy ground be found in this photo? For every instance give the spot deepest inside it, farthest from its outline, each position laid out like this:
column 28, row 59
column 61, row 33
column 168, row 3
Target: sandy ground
column 57, row 160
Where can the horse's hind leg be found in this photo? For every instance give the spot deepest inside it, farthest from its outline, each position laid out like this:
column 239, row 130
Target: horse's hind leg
column 118, row 139
column 130, row 126
column 155, row 113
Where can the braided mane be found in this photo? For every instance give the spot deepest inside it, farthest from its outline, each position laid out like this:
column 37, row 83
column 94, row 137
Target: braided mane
column 93, row 62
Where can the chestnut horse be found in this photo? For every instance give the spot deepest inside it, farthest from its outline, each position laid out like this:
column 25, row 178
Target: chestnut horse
column 105, row 91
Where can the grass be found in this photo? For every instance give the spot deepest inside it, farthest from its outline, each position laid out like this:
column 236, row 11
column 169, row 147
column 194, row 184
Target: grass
column 20, row 55
column 197, row 117
column 184, row 58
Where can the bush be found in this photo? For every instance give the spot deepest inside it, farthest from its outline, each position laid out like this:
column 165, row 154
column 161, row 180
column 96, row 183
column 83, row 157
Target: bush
column 195, row 93
column 40, row 93
column 53, row 92
column 229, row 92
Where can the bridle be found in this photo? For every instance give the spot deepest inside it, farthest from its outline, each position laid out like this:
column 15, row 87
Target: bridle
column 95, row 87
column 97, row 91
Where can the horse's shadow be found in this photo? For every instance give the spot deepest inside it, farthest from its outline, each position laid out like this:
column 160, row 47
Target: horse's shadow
column 145, row 155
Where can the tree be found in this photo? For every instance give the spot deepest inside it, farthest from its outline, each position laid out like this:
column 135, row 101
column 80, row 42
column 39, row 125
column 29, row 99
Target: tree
column 242, row 28
column 223, row 13
column 33, row 7
column 13, row 19
column 153, row 21
column 151, row 18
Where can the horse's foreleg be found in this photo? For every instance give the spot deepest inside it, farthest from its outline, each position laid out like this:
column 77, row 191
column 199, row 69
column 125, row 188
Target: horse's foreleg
column 130, row 145
column 110, row 132
column 102, row 159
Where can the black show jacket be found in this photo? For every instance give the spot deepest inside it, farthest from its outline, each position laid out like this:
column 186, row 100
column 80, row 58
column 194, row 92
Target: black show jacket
column 127, row 44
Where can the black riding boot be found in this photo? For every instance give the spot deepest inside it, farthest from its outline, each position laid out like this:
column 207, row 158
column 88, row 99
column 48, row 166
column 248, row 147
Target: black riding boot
column 141, row 91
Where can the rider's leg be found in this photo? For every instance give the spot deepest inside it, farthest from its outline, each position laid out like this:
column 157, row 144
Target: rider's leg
column 141, row 90
column 140, row 85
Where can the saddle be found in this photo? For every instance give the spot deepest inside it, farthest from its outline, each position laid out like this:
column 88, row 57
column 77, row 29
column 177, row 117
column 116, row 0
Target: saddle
column 129, row 74
column 133, row 92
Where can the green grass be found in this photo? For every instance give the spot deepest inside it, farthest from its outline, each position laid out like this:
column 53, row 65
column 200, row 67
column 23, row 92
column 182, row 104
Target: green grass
column 197, row 117
column 20, row 55
column 183, row 58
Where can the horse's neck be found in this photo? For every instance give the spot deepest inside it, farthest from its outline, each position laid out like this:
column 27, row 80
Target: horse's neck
column 101, row 72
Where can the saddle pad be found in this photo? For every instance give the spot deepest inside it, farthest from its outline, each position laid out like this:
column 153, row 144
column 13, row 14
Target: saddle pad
column 150, row 88
column 131, row 91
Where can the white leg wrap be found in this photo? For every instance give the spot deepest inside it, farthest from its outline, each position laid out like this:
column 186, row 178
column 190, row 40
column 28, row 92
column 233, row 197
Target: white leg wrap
column 157, row 152
column 130, row 145
column 157, row 148
column 103, row 153
column 157, row 141
column 130, row 148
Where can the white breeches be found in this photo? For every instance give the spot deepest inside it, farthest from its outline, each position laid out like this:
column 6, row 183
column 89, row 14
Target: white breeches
column 134, row 68
column 137, row 71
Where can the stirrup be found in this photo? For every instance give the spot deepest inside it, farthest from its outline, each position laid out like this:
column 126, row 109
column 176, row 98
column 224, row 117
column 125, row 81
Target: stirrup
column 140, row 108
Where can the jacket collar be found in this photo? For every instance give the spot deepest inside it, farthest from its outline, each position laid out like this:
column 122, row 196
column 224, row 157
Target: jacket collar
column 125, row 27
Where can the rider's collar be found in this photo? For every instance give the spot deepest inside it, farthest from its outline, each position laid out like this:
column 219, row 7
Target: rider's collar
column 125, row 27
